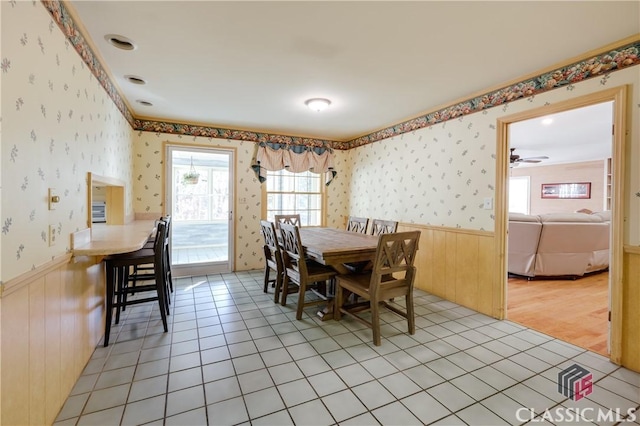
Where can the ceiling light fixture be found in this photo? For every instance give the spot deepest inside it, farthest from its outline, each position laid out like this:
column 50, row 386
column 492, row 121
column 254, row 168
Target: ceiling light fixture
column 120, row 42
column 318, row 104
column 547, row 121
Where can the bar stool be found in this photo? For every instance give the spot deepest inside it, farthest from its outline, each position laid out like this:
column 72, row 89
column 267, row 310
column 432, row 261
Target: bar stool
column 146, row 271
column 118, row 279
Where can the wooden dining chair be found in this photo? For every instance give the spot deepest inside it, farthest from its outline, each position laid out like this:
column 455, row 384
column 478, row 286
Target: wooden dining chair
column 291, row 219
column 272, row 257
column 393, row 275
column 304, row 273
column 379, row 227
column 357, row 224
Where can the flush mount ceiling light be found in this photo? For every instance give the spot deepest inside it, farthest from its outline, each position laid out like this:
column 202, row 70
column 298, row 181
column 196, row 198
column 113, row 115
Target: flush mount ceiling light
column 547, row 121
column 120, row 42
column 135, row 79
column 318, row 104
column 143, row 102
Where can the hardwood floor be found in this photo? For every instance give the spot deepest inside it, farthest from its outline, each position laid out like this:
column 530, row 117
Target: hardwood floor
column 572, row 310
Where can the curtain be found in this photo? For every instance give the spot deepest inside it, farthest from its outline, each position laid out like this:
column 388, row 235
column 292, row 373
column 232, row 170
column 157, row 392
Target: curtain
column 294, row 158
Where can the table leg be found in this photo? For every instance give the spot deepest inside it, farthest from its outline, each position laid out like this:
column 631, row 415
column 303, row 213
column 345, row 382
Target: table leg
column 326, row 313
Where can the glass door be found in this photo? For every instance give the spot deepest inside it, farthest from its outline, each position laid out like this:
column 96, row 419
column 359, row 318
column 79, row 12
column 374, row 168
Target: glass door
column 200, row 199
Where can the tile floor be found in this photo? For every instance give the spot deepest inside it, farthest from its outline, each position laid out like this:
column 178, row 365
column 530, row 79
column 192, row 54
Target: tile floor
column 232, row 356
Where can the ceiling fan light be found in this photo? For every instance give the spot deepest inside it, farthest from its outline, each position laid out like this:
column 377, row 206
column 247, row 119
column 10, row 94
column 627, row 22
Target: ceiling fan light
column 318, row 104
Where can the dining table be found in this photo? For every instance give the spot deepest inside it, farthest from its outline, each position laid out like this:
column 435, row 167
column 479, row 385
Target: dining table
column 334, row 247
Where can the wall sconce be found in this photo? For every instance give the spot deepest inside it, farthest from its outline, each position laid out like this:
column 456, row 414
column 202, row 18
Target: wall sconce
column 53, row 198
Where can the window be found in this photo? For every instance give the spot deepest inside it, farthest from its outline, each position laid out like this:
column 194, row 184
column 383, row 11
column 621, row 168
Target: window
column 295, row 193
column 519, row 194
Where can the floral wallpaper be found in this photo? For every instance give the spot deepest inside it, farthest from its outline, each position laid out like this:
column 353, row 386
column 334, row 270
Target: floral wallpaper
column 149, row 176
column 75, row 37
column 58, row 123
column 62, row 118
column 439, row 175
column 434, row 176
column 338, row 192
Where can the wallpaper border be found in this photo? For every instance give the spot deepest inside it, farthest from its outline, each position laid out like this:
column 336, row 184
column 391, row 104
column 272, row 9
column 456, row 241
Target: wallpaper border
column 600, row 65
column 238, row 135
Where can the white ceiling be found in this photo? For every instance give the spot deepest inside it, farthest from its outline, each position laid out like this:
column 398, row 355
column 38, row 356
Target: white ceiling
column 574, row 136
column 251, row 65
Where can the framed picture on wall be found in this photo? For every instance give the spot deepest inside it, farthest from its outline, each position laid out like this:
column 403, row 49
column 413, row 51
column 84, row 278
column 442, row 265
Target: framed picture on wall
column 566, row 190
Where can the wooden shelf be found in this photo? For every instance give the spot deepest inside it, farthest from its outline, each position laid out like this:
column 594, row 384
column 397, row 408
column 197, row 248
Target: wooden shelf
column 608, row 189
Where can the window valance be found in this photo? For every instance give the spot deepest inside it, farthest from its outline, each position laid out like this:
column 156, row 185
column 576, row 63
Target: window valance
column 294, row 158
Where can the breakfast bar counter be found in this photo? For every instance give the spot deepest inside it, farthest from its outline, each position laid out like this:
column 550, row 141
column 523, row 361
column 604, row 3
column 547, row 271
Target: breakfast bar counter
column 103, row 240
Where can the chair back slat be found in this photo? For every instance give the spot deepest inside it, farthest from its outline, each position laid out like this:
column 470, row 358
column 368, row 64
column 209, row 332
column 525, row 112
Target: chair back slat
column 292, row 251
column 271, row 245
column 160, row 248
column 269, row 233
column 357, row 224
column 395, row 255
column 379, row 227
column 291, row 219
column 167, row 238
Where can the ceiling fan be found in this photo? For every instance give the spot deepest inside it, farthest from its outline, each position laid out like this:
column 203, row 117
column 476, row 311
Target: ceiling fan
column 515, row 159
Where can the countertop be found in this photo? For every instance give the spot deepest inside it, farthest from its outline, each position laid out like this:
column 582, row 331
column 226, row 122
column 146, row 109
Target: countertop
column 102, row 240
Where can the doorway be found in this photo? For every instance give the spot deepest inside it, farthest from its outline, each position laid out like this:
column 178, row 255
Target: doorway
column 199, row 184
column 618, row 97
column 568, row 146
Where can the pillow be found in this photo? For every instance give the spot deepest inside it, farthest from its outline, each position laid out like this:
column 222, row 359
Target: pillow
column 569, row 217
column 604, row 215
column 521, row 217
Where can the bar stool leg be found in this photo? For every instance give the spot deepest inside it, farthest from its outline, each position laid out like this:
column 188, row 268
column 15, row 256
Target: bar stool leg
column 120, row 296
column 110, row 278
column 170, row 279
column 166, row 274
column 161, row 289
